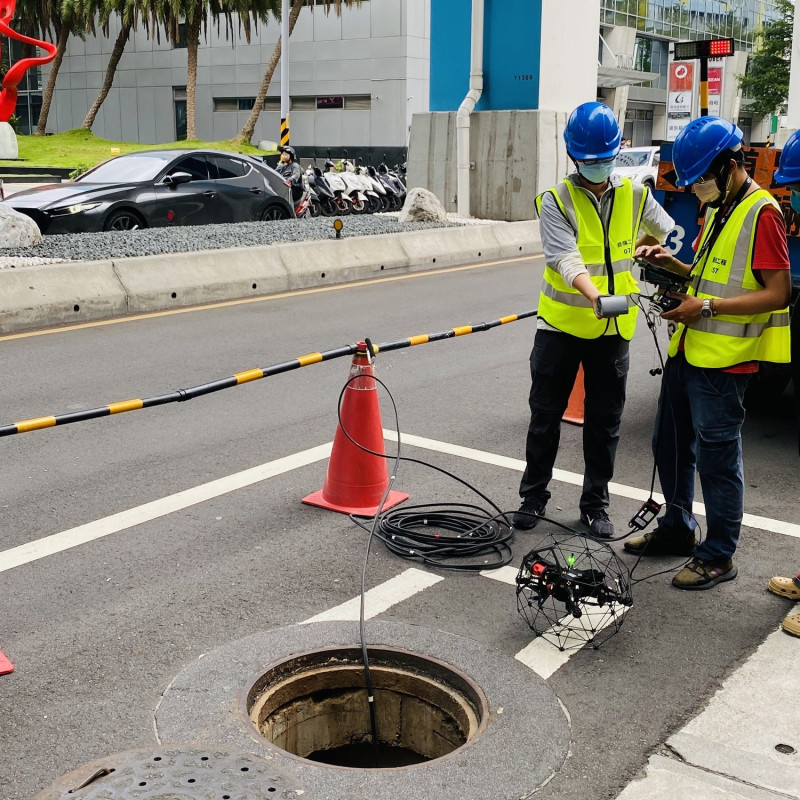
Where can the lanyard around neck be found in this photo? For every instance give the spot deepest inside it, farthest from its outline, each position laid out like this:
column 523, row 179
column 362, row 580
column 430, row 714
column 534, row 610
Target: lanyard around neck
column 719, row 223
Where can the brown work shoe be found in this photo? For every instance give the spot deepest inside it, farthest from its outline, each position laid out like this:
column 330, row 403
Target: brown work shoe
column 661, row 542
column 785, row 587
column 702, row 574
column 791, row 624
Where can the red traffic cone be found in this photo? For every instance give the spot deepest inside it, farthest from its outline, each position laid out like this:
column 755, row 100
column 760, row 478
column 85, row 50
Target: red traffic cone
column 5, row 665
column 574, row 412
column 356, row 480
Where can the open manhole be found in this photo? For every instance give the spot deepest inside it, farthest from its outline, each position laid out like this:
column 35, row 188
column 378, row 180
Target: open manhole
column 314, row 706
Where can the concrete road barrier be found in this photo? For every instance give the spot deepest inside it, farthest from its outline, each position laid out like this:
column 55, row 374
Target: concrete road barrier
column 341, row 260
column 58, row 294
column 156, row 283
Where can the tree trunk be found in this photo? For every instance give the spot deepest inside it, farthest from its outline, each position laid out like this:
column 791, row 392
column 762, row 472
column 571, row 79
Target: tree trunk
column 246, row 133
column 192, row 44
column 116, row 55
column 55, row 65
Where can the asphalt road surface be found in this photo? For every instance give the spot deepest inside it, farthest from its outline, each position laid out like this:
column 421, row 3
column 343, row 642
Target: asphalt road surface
column 98, row 630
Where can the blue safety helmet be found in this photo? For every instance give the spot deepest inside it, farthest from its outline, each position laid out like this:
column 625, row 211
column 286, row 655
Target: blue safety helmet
column 699, row 143
column 592, row 132
column 789, row 168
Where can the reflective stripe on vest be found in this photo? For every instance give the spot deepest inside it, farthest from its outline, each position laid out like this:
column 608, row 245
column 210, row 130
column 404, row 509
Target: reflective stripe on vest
column 726, row 271
column 607, row 255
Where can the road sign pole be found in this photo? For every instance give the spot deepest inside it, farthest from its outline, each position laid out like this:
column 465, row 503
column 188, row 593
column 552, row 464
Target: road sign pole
column 703, row 87
column 284, row 140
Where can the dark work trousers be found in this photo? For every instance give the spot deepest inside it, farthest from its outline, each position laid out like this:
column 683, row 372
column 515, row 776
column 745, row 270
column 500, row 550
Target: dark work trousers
column 554, row 366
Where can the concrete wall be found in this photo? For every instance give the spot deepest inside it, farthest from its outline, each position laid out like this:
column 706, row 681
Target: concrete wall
column 517, row 155
column 569, row 48
column 379, row 49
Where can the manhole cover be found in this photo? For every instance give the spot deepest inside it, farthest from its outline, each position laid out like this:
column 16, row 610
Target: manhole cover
column 172, row 774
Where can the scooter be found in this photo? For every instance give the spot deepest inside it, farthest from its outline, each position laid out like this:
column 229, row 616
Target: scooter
column 376, row 193
column 354, row 188
column 389, row 199
column 344, row 203
column 326, row 200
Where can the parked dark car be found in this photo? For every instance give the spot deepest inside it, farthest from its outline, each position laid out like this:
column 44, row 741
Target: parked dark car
column 159, row 188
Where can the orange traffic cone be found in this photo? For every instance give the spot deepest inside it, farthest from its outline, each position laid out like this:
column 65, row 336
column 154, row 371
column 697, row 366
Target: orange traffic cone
column 356, row 480
column 5, row 665
column 574, row 412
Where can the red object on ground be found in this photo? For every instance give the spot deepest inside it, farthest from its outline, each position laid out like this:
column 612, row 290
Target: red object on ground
column 5, row 665
column 574, row 412
column 356, row 480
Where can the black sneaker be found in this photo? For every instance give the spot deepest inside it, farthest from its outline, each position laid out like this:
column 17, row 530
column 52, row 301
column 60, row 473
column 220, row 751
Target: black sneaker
column 598, row 523
column 528, row 515
column 661, row 542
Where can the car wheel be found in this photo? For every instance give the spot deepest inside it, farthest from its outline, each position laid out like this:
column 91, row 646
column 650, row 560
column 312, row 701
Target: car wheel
column 274, row 214
column 123, row 219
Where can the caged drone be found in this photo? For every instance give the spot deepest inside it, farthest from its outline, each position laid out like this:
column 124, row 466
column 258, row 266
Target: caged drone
column 573, row 590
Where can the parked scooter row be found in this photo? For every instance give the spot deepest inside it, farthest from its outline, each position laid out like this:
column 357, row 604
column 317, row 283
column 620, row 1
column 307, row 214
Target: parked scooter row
column 348, row 188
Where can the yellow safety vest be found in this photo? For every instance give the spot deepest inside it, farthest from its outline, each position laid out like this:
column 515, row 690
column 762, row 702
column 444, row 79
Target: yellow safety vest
column 726, row 271
column 607, row 255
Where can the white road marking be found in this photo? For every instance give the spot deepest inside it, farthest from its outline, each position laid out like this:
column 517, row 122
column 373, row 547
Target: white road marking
column 58, row 542
column 618, row 489
column 381, row 598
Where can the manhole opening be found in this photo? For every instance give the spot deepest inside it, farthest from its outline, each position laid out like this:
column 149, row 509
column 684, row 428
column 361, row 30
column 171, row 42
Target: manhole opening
column 314, row 706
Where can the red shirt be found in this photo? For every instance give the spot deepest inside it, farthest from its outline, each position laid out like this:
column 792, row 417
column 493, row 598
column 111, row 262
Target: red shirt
column 770, row 251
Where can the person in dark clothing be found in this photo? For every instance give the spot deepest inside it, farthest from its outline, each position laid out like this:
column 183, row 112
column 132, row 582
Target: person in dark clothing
column 291, row 171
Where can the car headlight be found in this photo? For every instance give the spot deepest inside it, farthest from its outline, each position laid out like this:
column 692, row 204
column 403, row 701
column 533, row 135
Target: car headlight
column 75, row 209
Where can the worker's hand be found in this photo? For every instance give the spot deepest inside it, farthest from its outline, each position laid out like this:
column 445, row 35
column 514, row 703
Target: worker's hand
column 688, row 312
column 655, row 254
column 594, row 307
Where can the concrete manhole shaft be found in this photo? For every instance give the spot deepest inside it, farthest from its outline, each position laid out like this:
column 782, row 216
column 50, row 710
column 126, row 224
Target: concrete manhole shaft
column 314, row 705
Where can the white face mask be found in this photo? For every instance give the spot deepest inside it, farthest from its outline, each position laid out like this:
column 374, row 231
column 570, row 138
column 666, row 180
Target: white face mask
column 707, row 192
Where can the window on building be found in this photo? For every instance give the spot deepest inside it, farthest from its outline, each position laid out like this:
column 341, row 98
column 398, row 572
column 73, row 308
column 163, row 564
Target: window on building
column 180, row 42
column 179, row 103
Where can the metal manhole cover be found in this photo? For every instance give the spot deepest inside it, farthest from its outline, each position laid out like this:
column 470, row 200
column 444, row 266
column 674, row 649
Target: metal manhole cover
column 172, row 774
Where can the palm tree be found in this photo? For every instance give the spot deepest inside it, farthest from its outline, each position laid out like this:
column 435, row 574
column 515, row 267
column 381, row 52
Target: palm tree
column 128, row 12
column 64, row 23
column 170, row 14
column 246, row 133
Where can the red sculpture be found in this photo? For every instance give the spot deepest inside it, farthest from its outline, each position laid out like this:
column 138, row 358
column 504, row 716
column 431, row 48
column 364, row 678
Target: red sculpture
column 8, row 95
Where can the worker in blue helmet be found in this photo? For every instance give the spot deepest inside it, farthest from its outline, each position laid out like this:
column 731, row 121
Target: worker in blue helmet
column 788, row 175
column 733, row 316
column 590, row 224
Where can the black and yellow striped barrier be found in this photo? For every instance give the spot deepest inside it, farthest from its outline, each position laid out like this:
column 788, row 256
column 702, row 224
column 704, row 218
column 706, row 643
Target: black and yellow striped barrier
column 180, row 395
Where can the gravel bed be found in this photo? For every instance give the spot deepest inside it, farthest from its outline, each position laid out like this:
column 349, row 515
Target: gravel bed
column 153, row 241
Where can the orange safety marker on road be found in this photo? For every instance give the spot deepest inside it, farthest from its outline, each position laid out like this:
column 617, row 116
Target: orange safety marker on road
column 357, row 480
column 5, row 665
column 574, row 412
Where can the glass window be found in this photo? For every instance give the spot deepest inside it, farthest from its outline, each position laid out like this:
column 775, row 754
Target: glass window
column 130, row 167
column 229, row 167
column 196, row 166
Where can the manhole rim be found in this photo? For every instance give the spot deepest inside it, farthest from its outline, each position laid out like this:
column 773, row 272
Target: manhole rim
column 253, row 731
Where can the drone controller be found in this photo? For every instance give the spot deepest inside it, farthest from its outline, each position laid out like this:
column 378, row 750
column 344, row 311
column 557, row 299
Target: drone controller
column 666, row 282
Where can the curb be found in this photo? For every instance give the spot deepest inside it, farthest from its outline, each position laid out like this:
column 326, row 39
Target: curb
column 86, row 291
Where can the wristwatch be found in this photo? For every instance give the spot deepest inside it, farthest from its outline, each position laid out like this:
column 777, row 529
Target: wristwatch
column 707, row 310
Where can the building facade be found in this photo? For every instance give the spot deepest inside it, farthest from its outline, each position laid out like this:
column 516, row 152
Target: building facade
column 355, row 81
column 357, row 78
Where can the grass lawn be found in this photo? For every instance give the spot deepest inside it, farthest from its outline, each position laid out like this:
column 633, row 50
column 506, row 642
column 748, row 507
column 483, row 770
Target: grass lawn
column 81, row 149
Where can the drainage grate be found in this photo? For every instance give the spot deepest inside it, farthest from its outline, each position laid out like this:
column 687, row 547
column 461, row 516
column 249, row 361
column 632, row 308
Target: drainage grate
column 171, row 774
